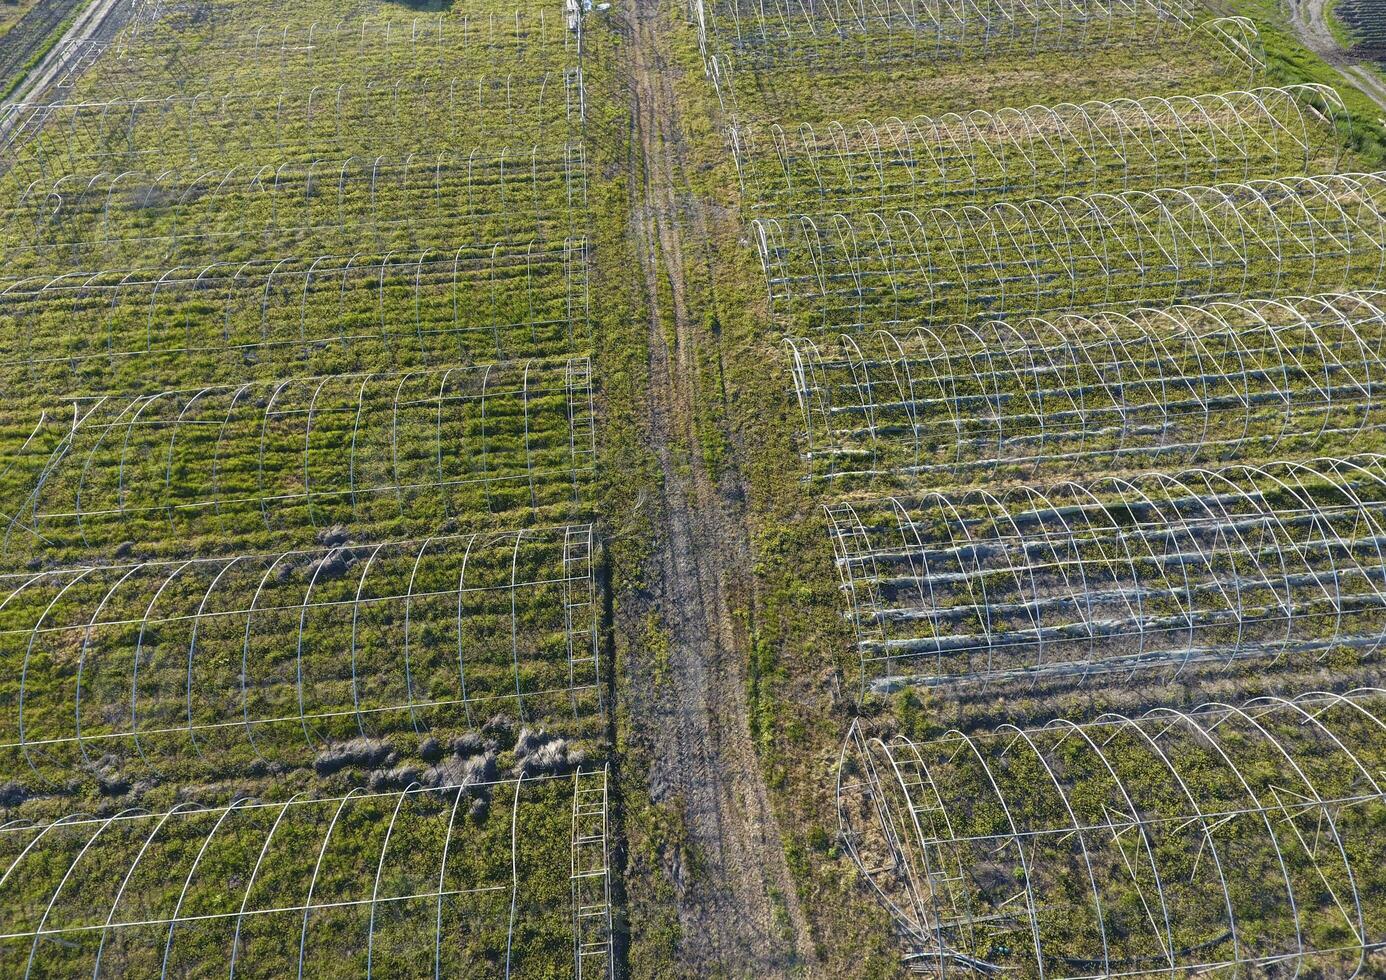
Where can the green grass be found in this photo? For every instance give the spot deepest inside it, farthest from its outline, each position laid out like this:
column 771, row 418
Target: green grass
column 448, row 271
column 803, row 670
column 343, row 283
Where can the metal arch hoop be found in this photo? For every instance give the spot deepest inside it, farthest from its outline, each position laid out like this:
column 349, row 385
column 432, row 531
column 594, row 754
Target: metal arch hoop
column 1295, row 730
column 1170, row 562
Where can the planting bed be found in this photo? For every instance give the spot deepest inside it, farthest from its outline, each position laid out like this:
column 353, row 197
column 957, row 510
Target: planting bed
column 1187, row 244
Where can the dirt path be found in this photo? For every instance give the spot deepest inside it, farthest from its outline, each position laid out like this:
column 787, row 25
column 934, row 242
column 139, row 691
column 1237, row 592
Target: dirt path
column 28, row 34
column 96, row 24
column 737, row 906
column 1310, row 21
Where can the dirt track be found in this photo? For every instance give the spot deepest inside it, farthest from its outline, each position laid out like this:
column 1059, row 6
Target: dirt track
column 1309, row 19
column 95, row 25
column 737, row 908
column 30, row 33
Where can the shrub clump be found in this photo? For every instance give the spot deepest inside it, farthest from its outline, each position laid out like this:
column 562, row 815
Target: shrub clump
column 430, row 750
column 463, row 772
column 541, row 754
column 334, row 564
column 365, row 753
column 400, row 777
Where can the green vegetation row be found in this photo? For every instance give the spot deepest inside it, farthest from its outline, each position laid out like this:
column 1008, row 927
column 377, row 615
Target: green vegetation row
column 99, row 330
column 250, row 50
column 765, row 34
column 198, row 215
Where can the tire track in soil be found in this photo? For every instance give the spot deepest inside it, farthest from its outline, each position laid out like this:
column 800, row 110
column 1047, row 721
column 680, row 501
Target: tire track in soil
column 1309, row 18
column 738, row 910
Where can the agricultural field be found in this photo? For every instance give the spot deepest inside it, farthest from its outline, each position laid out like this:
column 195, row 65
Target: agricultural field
column 693, row 488
column 1076, row 307
column 301, row 623
column 1364, row 26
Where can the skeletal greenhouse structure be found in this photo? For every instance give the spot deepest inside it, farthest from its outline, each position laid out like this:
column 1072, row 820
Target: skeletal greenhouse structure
column 303, row 54
column 1237, row 838
column 50, row 138
column 1171, row 386
column 822, row 38
column 421, row 446
column 400, row 309
column 368, row 882
column 299, row 482
column 1170, row 245
column 1152, row 573
column 1159, row 292
column 761, row 34
column 1152, row 141
column 280, row 654
column 189, row 213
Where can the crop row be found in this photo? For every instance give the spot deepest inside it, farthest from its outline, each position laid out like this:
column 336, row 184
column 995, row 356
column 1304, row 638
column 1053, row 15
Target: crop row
column 765, row 34
column 300, row 54
column 387, row 116
column 1038, row 151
